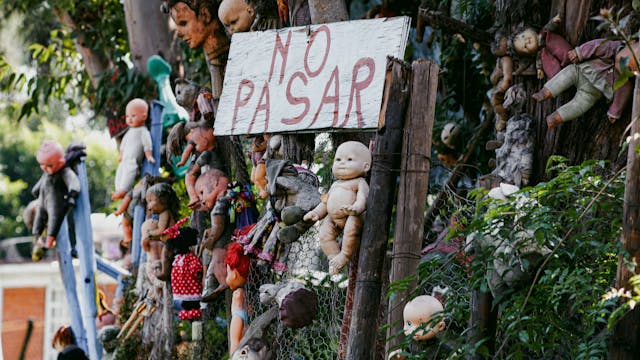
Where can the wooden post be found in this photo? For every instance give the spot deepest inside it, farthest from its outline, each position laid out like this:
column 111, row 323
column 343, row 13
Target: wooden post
column 412, row 193
column 326, row 11
column 84, row 244
column 384, row 173
column 625, row 342
column 65, row 262
column 483, row 321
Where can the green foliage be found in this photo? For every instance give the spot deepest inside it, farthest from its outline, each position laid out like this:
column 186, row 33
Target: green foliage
column 556, row 311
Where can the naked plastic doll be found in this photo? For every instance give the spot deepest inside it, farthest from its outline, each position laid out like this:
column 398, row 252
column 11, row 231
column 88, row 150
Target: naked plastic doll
column 211, row 187
column 592, row 73
column 162, row 201
column 501, row 78
column 418, row 323
column 135, row 145
column 345, row 204
column 237, row 272
column 56, row 191
column 209, row 158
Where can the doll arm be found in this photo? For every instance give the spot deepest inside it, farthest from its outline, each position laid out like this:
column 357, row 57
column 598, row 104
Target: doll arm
column 186, row 153
column 147, row 146
column 319, row 212
column 238, row 318
column 360, row 204
column 73, row 184
column 507, row 73
column 497, row 72
column 36, row 188
column 163, row 223
column 598, row 48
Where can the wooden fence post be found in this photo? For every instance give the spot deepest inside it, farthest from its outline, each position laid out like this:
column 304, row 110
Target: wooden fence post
column 384, row 172
column 625, row 342
column 65, row 262
column 86, row 255
column 412, row 193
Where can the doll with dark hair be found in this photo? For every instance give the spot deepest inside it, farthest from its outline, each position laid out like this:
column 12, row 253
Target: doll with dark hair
column 162, row 201
column 186, row 270
column 64, row 341
column 238, row 265
column 56, row 191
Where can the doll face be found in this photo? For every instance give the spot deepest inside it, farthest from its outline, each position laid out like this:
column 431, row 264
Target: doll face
column 136, row 113
column 526, row 42
column 501, row 46
column 203, row 138
column 236, row 15
column 352, row 160
column 50, row 160
column 417, row 313
column 193, row 29
column 234, row 279
column 155, row 205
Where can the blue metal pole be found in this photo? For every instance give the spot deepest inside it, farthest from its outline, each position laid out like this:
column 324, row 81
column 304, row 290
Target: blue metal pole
column 69, row 281
column 84, row 243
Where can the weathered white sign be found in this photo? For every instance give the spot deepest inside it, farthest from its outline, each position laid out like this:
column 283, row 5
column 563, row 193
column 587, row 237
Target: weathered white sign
column 309, row 77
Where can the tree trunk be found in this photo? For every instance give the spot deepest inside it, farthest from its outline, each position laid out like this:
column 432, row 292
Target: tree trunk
column 326, row 11
column 625, row 342
column 95, row 62
column 148, row 30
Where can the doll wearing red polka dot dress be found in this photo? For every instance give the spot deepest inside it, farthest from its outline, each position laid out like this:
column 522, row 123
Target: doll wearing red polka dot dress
column 186, row 274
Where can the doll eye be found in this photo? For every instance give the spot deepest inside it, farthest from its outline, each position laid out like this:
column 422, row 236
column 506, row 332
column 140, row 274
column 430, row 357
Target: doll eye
column 349, row 159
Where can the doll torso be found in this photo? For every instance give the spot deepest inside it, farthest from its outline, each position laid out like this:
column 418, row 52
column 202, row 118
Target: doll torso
column 135, row 142
column 342, row 192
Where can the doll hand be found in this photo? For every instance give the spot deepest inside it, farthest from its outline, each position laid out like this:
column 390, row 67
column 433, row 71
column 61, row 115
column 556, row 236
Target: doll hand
column 151, row 159
column 352, row 209
column 556, row 19
column 311, row 216
column 540, row 74
column 181, row 162
column 573, row 56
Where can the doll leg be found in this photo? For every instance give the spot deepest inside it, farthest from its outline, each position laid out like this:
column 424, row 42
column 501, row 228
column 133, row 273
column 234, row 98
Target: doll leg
column 216, row 272
column 565, row 79
column 327, row 236
column 56, row 211
column 167, row 258
column 125, row 177
column 350, row 243
column 190, row 184
column 585, row 98
column 39, row 223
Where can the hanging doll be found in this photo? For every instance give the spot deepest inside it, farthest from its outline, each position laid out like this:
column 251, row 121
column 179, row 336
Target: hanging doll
column 297, row 305
column 186, row 271
column 293, row 191
column 592, row 73
column 161, row 200
column 549, row 48
column 237, row 264
column 211, row 187
column 209, row 158
column 259, row 166
column 56, row 191
column 135, row 145
column 501, row 78
column 133, row 198
column 345, row 204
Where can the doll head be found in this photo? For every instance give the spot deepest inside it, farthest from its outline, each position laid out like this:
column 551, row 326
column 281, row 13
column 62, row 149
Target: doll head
column 210, row 186
column 136, row 112
column 63, row 338
column 161, row 197
column 417, row 316
column 500, row 44
column 50, row 156
column 525, row 41
column 195, row 20
column 236, row 15
column 352, row 160
column 237, row 266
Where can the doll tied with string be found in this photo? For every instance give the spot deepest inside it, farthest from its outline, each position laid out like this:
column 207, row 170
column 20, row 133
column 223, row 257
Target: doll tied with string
column 134, row 147
column 56, row 191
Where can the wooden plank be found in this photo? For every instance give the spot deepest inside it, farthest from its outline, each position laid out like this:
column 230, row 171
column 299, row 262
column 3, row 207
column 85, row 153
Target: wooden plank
column 84, row 245
column 625, row 342
column 375, row 234
column 412, row 193
column 308, row 77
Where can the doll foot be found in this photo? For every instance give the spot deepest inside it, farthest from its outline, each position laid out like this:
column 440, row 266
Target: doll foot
column 117, row 195
column 210, row 295
column 38, row 251
column 541, row 95
column 337, row 263
column 554, row 120
column 51, row 242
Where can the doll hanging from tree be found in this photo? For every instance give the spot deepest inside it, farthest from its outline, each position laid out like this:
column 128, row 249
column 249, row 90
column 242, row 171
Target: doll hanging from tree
column 56, row 191
column 345, row 204
column 135, row 146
